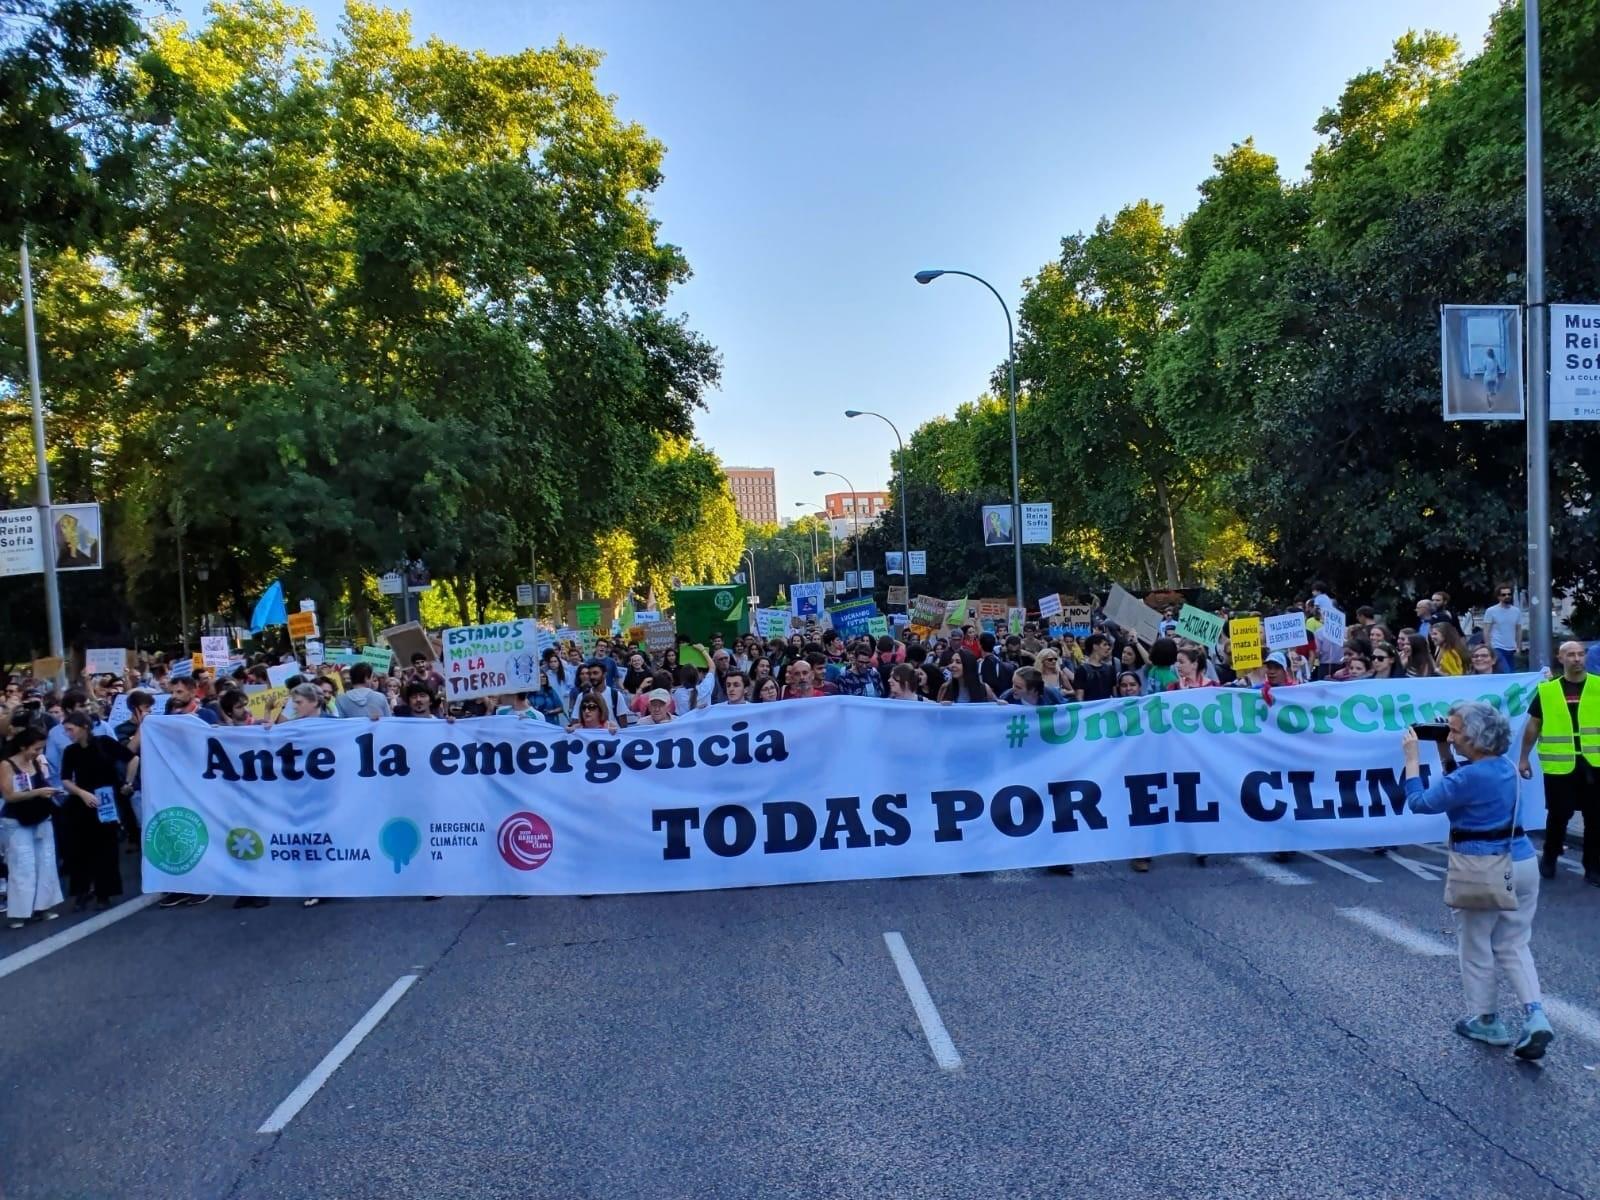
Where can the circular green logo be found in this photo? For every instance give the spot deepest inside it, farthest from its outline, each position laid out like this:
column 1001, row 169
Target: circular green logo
column 245, row 844
column 175, row 840
column 723, row 601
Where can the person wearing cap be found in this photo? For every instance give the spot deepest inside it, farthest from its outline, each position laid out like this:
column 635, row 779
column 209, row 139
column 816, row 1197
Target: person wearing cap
column 659, row 701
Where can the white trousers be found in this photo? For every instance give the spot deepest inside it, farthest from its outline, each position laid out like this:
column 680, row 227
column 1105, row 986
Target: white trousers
column 1491, row 939
column 33, row 883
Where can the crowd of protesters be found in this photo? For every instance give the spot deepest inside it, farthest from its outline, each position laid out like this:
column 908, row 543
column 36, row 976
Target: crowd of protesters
column 69, row 779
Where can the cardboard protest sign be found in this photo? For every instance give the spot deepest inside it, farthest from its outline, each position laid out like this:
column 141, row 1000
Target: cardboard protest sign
column 265, row 702
column 1078, row 618
column 490, row 660
column 301, row 625
column 409, row 639
column 1199, row 626
column 380, row 658
column 805, row 599
column 928, row 612
column 878, row 627
column 315, row 654
column 1050, row 606
column 1245, row 638
column 107, row 662
column 214, row 651
column 1133, row 614
column 1015, row 618
column 279, row 674
column 1332, row 632
column 1286, row 631
column 899, row 594
column 660, row 635
column 772, row 622
column 851, row 617
column 991, row 609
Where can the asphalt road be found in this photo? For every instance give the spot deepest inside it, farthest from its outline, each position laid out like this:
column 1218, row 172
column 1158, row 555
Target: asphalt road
column 1237, row 1030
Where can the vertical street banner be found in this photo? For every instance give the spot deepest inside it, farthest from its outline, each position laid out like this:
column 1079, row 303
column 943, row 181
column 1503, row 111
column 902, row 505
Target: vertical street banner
column 997, row 529
column 1038, row 524
column 21, row 547
column 1480, row 349
column 1575, row 362
column 919, row 562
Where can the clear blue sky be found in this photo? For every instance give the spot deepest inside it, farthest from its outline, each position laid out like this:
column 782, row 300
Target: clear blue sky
column 820, row 153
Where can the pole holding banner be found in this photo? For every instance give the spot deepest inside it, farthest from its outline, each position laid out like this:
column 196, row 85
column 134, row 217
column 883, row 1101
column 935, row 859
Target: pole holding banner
column 1540, row 619
column 52, row 593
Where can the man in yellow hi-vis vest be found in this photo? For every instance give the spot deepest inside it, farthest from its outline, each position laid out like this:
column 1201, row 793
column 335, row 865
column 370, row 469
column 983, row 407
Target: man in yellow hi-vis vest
column 1564, row 719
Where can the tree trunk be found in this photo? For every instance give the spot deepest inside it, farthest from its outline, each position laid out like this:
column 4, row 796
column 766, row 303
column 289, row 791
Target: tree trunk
column 1169, row 534
column 479, row 591
column 361, row 610
column 462, row 610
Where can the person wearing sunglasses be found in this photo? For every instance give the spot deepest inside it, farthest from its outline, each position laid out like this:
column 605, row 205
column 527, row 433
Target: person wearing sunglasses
column 1503, row 626
column 1385, row 662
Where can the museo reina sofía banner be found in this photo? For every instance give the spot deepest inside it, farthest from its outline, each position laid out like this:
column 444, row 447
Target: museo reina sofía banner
column 838, row 788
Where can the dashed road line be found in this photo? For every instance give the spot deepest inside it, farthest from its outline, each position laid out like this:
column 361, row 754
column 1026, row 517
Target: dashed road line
column 1272, row 872
column 944, row 1050
column 12, row 963
column 323, row 1071
column 1326, row 861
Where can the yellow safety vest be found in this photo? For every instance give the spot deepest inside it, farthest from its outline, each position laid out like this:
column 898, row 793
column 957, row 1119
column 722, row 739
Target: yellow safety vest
column 1558, row 747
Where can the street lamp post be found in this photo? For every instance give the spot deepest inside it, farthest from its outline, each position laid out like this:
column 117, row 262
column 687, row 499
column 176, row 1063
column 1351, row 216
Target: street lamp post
column 1011, row 375
column 751, row 554
column 855, row 521
column 47, row 535
column 1540, row 594
column 905, row 539
column 816, row 551
column 799, row 572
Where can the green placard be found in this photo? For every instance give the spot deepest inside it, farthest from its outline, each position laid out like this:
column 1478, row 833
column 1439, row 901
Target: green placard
column 588, row 614
column 1198, row 625
column 878, row 627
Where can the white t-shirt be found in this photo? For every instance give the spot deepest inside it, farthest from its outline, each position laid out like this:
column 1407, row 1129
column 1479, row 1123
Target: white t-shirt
column 1502, row 620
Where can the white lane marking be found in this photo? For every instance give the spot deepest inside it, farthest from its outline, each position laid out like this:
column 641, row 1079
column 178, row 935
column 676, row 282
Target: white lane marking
column 323, row 1071
column 1272, row 871
column 1566, row 862
column 1398, row 932
column 1571, row 1018
column 1431, row 874
column 13, row 963
column 1011, row 877
column 1564, row 1015
column 944, row 1050
column 1339, row 866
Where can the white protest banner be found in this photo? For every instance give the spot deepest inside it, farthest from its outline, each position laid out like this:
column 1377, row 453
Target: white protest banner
column 1050, row 606
column 1132, row 613
column 21, row 548
column 1574, row 362
column 490, row 660
column 279, row 674
column 110, row 662
column 842, row 788
column 1038, row 524
column 1285, row 631
column 214, row 650
column 919, row 562
column 805, row 599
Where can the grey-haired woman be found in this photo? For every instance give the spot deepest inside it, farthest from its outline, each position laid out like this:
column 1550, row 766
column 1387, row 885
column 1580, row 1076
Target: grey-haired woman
column 1480, row 798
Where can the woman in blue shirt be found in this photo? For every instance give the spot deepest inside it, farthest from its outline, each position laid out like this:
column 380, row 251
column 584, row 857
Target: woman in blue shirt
column 1480, row 798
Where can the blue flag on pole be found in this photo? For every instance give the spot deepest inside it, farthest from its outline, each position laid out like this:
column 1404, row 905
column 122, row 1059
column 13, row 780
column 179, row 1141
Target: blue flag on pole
column 269, row 609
